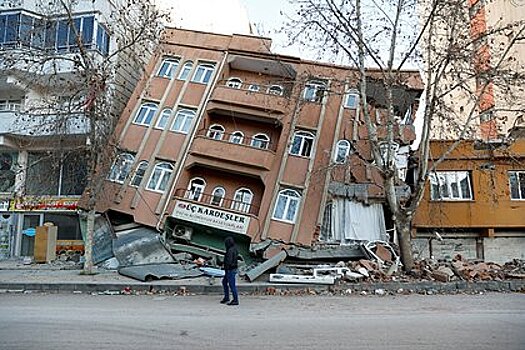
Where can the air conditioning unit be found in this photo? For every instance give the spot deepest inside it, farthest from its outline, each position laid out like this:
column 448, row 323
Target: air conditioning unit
column 182, row 232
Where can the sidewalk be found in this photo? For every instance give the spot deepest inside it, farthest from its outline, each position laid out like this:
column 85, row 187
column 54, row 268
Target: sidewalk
column 19, row 278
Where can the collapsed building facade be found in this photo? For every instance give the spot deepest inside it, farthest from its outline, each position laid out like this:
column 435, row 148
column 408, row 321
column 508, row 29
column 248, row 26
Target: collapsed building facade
column 222, row 137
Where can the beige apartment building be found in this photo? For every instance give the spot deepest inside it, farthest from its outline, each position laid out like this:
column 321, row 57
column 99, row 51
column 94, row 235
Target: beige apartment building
column 223, row 137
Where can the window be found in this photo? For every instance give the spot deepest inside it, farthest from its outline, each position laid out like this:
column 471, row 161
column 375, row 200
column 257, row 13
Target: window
column 183, row 120
column 352, row 99
column 203, row 73
column 168, row 67
column 260, row 141
column 383, row 148
column 145, row 114
column 242, row 200
column 302, row 144
column 254, row 87
column 10, row 105
column 160, row 177
column 217, row 196
column 102, row 40
column 275, row 90
column 196, row 189
column 139, row 173
column 287, row 205
column 121, row 168
column 450, row 185
column 517, row 184
column 216, row 132
column 164, row 118
column 235, row 83
column 314, row 91
column 237, row 137
column 342, row 151
column 185, row 71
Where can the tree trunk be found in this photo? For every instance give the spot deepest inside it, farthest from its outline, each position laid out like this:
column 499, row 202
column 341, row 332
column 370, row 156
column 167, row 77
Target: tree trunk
column 90, row 226
column 403, row 229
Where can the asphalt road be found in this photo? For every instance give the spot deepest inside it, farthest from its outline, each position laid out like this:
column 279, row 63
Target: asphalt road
column 66, row 321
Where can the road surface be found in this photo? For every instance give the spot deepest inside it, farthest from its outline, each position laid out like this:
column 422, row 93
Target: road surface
column 67, row 321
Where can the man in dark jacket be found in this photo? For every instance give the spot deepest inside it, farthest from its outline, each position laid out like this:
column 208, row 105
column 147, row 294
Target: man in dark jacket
column 230, row 270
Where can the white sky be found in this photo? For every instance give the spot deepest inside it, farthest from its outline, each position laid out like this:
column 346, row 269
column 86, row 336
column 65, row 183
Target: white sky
column 234, row 16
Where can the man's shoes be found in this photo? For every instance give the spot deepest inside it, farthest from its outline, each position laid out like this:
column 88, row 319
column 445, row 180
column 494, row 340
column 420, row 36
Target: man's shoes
column 225, row 301
column 233, row 302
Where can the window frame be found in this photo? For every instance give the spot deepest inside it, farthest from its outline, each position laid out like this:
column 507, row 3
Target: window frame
column 254, row 87
column 287, row 201
column 124, row 168
column 304, row 136
column 241, row 205
column 519, row 175
column 355, row 94
column 275, row 89
column 151, row 108
column 164, row 117
column 316, row 86
column 189, row 192
column 446, row 179
column 221, row 200
column 234, row 83
column 185, row 70
column 348, row 147
column 218, row 131
column 184, row 113
column 208, row 69
column 239, row 134
column 255, row 139
column 169, row 65
column 161, row 179
column 136, row 173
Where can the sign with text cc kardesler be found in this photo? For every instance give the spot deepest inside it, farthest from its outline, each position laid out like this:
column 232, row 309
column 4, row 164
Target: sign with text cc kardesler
column 212, row 217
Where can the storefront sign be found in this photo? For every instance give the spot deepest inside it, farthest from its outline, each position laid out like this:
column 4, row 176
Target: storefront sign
column 44, row 204
column 211, row 217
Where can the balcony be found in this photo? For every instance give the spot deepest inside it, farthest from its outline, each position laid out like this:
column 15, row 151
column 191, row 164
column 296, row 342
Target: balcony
column 247, row 104
column 35, row 124
column 250, row 159
column 219, row 213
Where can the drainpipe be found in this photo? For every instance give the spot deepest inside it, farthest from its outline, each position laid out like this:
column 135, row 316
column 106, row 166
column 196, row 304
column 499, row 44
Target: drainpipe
column 189, row 139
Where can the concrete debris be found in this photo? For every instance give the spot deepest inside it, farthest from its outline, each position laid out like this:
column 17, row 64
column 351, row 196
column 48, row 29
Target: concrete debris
column 152, row 272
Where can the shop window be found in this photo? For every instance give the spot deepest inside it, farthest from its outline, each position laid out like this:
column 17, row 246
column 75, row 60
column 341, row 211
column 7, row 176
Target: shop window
column 196, row 189
column 186, row 70
column 287, row 206
column 164, row 118
column 203, row 73
column 234, row 83
column 314, row 91
column 261, row 141
column 342, row 151
column 216, row 132
column 183, row 120
column 68, row 225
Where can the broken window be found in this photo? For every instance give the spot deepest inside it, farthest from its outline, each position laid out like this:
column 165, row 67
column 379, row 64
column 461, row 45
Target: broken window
column 517, row 184
column 217, row 196
column 121, row 168
column 287, row 206
column 450, row 185
column 196, row 189
column 275, row 90
column 342, row 151
column 302, row 144
column 234, row 83
column 314, row 91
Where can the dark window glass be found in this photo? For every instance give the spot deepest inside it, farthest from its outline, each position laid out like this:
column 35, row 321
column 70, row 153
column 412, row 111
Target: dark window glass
column 68, row 226
column 74, row 31
column 2, row 28
column 51, row 28
column 26, row 30
column 12, row 26
column 63, row 29
column 87, row 31
column 39, row 33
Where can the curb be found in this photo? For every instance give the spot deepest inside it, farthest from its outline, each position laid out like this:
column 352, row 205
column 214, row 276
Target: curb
column 380, row 288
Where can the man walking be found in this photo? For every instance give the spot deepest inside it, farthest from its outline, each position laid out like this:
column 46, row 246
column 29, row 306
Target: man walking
column 230, row 270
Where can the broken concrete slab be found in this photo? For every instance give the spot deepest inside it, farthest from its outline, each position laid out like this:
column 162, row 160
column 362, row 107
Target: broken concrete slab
column 301, row 279
column 326, row 252
column 140, row 246
column 258, row 270
column 150, row 272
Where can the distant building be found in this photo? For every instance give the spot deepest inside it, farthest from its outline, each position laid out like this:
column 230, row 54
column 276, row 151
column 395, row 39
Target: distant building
column 224, row 137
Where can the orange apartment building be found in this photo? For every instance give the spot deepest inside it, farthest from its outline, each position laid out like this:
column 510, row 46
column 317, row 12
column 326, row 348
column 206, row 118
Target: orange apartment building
column 223, row 137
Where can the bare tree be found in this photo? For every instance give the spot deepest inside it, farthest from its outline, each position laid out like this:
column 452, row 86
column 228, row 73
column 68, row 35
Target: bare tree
column 82, row 81
column 460, row 64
